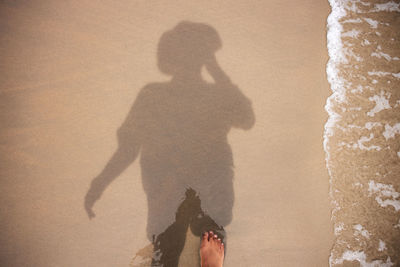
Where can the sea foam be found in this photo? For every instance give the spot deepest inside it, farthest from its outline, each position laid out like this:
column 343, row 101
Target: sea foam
column 361, row 137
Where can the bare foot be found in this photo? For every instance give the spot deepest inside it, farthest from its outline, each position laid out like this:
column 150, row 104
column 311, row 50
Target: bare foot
column 211, row 250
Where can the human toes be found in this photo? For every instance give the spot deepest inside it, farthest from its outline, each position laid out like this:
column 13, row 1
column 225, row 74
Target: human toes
column 210, row 235
column 220, row 244
column 205, row 236
column 214, row 240
column 218, row 241
column 204, row 239
column 215, row 237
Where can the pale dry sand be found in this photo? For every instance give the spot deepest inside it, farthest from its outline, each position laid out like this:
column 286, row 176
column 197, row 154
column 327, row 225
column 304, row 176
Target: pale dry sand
column 70, row 73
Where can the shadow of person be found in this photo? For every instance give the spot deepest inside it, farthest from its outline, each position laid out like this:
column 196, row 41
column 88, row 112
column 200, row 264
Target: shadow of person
column 180, row 128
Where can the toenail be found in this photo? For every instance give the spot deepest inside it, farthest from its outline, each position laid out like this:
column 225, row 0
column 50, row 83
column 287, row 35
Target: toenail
column 215, row 236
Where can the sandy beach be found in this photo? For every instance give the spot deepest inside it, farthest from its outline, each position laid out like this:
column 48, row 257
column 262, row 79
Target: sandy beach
column 362, row 133
column 71, row 71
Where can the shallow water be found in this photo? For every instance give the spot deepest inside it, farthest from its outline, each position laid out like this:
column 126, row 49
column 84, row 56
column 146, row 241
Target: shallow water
column 362, row 133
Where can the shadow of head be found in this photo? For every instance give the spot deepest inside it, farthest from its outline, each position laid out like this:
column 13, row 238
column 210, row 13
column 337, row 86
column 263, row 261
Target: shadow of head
column 187, row 47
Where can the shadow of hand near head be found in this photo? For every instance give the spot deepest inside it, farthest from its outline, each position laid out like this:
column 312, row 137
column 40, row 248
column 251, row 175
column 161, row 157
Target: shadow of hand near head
column 180, row 128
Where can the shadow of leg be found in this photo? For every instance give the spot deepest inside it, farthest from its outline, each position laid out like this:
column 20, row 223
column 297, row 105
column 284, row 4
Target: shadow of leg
column 168, row 245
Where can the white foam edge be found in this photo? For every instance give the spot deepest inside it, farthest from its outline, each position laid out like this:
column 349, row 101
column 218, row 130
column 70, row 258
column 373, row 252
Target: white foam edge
column 336, row 57
column 361, row 257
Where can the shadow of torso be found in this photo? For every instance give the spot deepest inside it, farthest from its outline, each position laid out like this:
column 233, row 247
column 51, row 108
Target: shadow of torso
column 182, row 130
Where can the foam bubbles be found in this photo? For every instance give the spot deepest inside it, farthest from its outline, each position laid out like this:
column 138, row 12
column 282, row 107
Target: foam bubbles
column 385, row 194
column 390, row 131
column 381, row 103
column 361, row 257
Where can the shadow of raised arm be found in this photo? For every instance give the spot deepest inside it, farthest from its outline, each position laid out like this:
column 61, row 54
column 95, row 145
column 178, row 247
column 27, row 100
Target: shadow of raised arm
column 242, row 114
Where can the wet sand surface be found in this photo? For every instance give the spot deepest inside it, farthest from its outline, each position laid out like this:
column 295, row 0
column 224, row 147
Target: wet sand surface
column 362, row 134
column 71, row 72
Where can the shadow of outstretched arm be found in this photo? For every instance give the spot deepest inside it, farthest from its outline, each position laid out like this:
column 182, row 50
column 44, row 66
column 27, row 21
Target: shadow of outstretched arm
column 119, row 161
column 130, row 140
